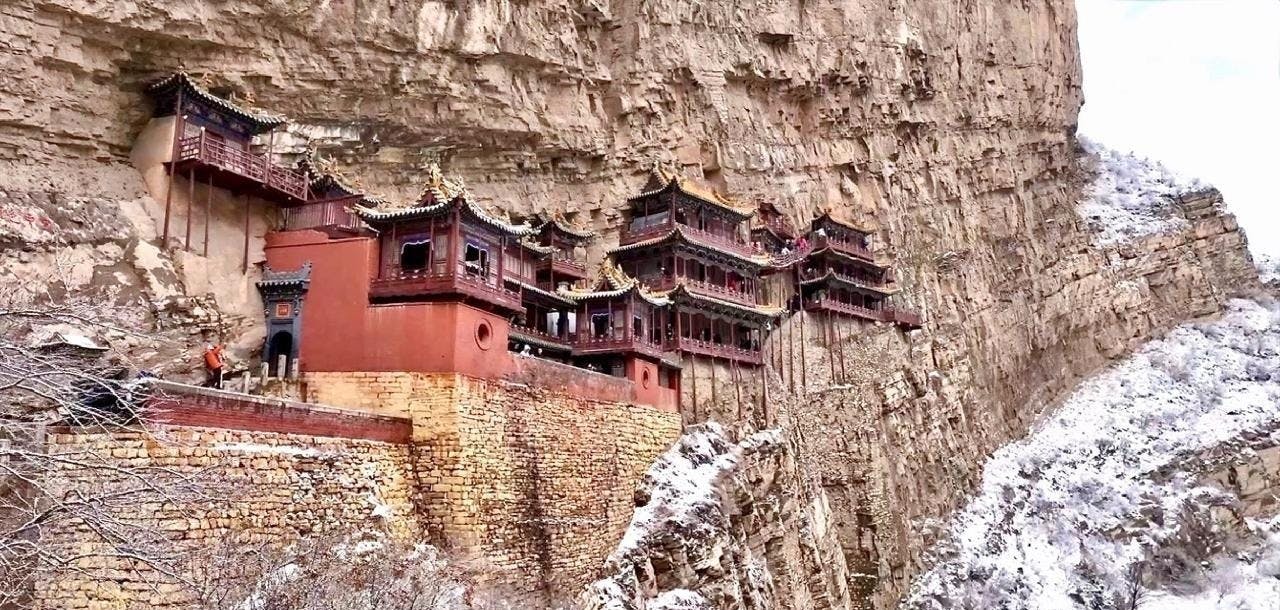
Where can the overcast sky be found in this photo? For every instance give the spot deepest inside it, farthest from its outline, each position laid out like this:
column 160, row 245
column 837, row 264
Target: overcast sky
column 1196, row 85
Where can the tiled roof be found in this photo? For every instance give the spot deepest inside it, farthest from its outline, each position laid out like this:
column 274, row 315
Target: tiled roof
column 533, row 246
column 826, row 215
column 271, row 278
column 760, row 310
column 545, row 293
column 559, row 224
column 618, row 283
column 661, row 178
column 828, row 251
column 677, row 234
column 439, row 195
column 516, row 334
column 324, row 180
column 179, row 80
column 832, row 276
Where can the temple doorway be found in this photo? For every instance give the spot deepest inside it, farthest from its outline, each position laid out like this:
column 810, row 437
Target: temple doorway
column 281, row 345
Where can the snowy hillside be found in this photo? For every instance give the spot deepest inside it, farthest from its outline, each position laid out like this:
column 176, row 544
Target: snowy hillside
column 1130, row 197
column 1268, row 268
column 1063, row 517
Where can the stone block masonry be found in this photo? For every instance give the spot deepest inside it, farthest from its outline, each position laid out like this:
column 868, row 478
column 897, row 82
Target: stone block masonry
column 537, row 484
column 254, row 487
column 534, row 486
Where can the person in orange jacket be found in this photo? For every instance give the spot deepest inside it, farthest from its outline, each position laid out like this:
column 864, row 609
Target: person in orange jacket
column 213, row 365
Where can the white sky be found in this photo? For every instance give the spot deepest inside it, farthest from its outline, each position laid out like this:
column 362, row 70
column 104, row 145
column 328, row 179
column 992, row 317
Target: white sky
column 1196, row 85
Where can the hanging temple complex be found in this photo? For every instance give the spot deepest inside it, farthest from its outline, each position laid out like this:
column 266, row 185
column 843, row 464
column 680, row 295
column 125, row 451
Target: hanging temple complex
column 502, row 396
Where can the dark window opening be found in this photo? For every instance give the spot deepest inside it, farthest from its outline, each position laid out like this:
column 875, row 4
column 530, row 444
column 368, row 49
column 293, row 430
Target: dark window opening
column 476, row 259
column 413, row 255
column 637, row 327
column 599, row 325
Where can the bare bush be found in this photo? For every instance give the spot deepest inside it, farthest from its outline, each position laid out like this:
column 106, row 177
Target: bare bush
column 67, row 508
column 364, row 571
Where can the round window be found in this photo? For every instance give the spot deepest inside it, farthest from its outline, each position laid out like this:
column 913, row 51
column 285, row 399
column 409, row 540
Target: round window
column 645, row 378
column 484, row 335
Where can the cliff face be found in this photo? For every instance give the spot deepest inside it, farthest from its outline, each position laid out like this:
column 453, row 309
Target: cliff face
column 946, row 126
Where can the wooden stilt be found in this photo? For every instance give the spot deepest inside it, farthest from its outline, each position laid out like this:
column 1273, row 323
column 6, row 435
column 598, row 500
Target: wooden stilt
column 828, row 330
column 714, row 402
column 804, row 375
column 178, row 125
column 737, row 386
column 840, row 342
column 693, row 385
column 208, row 216
column 244, row 267
column 191, row 206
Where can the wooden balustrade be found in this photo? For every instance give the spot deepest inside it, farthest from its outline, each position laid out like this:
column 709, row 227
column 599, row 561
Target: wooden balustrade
column 466, row 280
column 846, row 247
column 322, row 214
column 258, row 168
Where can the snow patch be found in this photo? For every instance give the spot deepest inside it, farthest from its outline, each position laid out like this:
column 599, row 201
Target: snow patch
column 1268, row 267
column 272, row 449
column 1062, row 515
column 681, row 484
column 679, row 599
column 1130, row 197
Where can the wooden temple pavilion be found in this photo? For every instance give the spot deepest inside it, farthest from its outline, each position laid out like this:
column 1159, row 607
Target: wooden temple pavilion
column 771, row 230
column 841, row 276
column 563, row 265
column 688, row 243
column 212, row 145
column 445, row 248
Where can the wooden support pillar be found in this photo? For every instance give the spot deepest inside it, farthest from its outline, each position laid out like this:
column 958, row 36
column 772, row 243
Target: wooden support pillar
column 713, row 381
column 828, row 331
column 191, row 206
column 840, row 341
column 804, row 375
column 208, row 216
column 693, row 388
column 764, row 396
column 178, row 126
column 244, row 267
column 737, row 386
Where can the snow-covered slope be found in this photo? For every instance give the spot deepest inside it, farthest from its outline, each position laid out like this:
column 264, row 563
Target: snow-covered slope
column 1062, row 517
column 1268, row 268
column 1130, row 197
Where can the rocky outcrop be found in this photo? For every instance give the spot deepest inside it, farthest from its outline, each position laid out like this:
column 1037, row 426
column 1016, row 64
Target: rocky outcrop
column 948, row 127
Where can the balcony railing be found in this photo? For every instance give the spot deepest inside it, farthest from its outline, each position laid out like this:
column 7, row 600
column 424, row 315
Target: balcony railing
column 468, row 281
column 666, row 282
column 846, row 247
column 564, row 262
column 586, row 343
column 632, row 234
column 715, row 350
column 877, row 315
column 322, row 214
column 904, row 317
column 220, row 154
column 518, row 331
column 780, row 226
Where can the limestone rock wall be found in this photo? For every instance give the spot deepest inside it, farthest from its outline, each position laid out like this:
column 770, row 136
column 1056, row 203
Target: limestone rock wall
column 948, row 127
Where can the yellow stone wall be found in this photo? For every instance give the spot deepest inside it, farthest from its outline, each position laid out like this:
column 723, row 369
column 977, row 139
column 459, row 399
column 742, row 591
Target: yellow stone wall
column 535, row 486
column 538, row 485
column 252, row 487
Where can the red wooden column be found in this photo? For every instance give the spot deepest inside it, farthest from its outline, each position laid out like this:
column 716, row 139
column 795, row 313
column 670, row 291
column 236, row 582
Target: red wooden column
column 178, row 125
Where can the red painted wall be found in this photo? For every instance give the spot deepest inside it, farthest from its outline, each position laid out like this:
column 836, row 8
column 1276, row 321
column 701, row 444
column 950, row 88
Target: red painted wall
column 342, row 331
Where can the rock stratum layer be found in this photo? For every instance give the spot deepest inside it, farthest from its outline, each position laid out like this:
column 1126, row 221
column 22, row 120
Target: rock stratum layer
column 947, row 127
